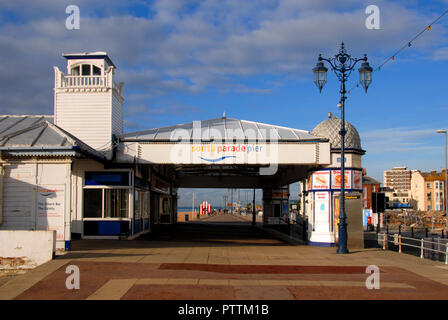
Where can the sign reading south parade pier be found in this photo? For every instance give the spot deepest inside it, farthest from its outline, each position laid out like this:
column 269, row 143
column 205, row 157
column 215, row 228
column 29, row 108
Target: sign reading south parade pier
column 234, row 153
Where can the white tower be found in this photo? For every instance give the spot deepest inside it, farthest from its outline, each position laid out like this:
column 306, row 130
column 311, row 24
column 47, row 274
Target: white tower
column 87, row 102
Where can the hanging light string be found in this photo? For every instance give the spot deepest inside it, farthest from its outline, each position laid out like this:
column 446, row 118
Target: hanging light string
column 408, row 44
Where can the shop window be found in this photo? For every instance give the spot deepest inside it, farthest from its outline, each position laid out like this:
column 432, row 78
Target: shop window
column 165, row 206
column 115, row 203
column 93, row 203
column 277, row 210
column 106, row 195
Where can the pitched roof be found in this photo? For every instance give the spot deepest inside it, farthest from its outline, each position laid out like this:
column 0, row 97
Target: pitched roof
column 369, row 180
column 223, row 128
column 42, row 137
column 13, row 123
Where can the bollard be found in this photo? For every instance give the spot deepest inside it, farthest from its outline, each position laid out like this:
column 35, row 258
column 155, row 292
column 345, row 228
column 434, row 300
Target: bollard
column 399, row 229
column 412, row 232
column 421, row 255
column 399, row 243
column 384, row 241
column 446, row 253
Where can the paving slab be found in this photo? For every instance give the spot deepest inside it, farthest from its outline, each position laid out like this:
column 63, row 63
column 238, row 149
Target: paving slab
column 231, row 261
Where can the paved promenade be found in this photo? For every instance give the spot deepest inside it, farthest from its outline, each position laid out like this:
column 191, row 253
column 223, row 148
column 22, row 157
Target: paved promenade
column 226, row 258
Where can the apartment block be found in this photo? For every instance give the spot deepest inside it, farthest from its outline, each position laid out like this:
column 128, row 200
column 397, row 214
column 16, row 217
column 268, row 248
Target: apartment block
column 427, row 189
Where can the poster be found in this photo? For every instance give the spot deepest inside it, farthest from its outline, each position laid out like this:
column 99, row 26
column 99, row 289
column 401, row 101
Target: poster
column 50, row 209
column 336, row 179
column 321, row 180
column 357, row 179
column 336, row 211
column 322, row 211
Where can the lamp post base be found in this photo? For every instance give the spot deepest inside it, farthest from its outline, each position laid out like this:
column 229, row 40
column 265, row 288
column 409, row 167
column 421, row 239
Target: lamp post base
column 342, row 250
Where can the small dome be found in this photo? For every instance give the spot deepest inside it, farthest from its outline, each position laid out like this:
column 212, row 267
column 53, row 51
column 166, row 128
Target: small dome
column 330, row 129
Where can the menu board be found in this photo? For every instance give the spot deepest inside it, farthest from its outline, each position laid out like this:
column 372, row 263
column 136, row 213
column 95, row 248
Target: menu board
column 336, row 179
column 357, row 179
column 321, row 180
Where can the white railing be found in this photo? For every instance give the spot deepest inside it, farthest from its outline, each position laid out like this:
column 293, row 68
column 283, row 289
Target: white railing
column 83, row 81
column 402, row 242
column 92, row 81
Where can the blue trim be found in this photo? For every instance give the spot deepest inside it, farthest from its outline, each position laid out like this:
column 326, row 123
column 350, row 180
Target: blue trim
column 321, row 244
column 109, row 228
column 68, row 245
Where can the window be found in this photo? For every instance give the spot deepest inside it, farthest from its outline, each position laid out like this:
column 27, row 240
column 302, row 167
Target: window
column 96, row 71
column 437, row 185
column 85, row 69
column 115, row 203
column 428, row 196
column 106, row 194
column 75, row 71
column 428, row 185
column 93, row 205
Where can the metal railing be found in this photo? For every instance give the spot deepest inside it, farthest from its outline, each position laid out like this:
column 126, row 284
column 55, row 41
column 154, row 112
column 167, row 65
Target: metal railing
column 425, row 247
column 294, row 228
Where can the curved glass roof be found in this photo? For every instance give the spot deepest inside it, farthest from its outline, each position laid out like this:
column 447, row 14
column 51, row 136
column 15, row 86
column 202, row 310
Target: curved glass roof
column 222, row 129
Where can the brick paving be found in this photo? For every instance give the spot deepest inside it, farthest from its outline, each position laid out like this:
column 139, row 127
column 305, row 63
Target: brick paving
column 228, row 259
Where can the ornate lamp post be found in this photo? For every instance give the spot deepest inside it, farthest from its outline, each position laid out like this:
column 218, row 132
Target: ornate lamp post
column 342, row 64
column 445, row 190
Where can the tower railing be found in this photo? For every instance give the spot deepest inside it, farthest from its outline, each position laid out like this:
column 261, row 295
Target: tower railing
column 83, row 81
column 63, row 81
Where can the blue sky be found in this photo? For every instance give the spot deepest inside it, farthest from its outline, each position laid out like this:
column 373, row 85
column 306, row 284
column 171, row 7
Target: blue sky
column 191, row 60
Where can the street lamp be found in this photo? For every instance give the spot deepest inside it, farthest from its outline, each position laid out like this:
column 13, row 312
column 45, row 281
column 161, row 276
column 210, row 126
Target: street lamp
column 446, row 179
column 342, row 65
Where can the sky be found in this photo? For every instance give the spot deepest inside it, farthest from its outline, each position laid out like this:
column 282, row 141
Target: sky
column 185, row 60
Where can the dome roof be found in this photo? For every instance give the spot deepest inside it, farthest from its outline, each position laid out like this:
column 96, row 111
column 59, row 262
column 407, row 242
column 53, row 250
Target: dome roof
column 330, row 129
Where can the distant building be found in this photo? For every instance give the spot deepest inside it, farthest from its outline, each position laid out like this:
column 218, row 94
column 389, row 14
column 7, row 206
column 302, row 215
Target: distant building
column 427, row 189
column 369, row 186
column 399, row 180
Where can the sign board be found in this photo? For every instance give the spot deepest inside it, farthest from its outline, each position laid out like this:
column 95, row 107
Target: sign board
column 366, row 213
column 336, row 179
column 50, row 209
column 357, row 179
column 321, row 211
column 321, row 180
column 234, row 153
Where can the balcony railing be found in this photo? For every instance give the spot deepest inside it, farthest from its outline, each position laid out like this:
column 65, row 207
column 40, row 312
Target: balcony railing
column 83, row 81
column 94, row 81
